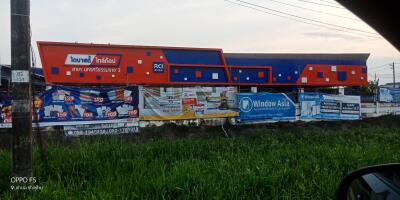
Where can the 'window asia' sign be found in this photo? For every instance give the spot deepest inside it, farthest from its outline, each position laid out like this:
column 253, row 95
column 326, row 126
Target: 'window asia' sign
column 265, row 106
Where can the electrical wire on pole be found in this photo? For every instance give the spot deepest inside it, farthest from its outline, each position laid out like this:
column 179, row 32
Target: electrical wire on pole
column 321, row 4
column 308, row 19
column 316, row 11
column 299, row 20
column 330, row 2
column 377, row 68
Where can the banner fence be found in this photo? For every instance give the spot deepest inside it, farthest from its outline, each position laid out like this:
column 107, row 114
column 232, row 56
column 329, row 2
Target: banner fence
column 178, row 103
column 61, row 105
column 325, row 106
column 265, row 106
column 389, row 95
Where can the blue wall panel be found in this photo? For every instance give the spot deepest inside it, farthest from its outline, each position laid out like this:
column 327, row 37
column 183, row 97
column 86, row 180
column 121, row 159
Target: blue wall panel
column 249, row 75
column 282, row 68
column 188, row 73
column 193, row 57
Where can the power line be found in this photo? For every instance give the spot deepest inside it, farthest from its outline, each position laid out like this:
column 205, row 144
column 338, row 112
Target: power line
column 304, row 18
column 317, row 11
column 297, row 20
column 382, row 65
column 321, row 4
column 386, row 74
column 376, row 70
column 334, row 3
column 378, row 67
column 373, row 74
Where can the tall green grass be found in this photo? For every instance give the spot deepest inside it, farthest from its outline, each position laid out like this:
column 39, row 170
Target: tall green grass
column 294, row 165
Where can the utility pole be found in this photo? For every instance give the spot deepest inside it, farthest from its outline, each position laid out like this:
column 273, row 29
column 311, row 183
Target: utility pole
column 21, row 88
column 394, row 76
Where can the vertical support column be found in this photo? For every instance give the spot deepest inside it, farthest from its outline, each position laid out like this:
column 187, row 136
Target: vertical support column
column 377, row 111
column 394, row 76
column 341, row 90
column 253, row 89
column 21, row 88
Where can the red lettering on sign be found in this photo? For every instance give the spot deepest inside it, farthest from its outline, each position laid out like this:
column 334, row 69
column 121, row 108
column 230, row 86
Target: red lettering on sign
column 87, row 115
column 68, row 99
column 62, row 114
column 189, row 101
column 98, row 99
column 112, row 114
column 132, row 113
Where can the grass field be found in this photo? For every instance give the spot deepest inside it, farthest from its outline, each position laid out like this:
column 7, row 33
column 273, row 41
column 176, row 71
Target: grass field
column 295, row 162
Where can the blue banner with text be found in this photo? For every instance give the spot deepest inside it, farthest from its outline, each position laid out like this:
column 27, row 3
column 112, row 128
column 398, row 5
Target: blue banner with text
column 265, row 106
column 389, row 95
column 326, row 106
column 65, row 104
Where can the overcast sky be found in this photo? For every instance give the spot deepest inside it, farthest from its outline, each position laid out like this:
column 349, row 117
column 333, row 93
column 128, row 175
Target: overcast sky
column 206, row 23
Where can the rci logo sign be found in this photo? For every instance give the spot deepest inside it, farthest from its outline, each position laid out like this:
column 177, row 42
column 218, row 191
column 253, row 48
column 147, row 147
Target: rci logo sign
column 246, row 104
column 158, row 67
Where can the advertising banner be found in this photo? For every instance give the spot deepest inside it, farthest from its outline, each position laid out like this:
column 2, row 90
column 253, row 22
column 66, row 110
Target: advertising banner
column 5, row 111
column 177, row 103
column 325, row 106
column 64, row 104
column 265, row 106
column 61, row 105
column 123, row 127
column 389, row 95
